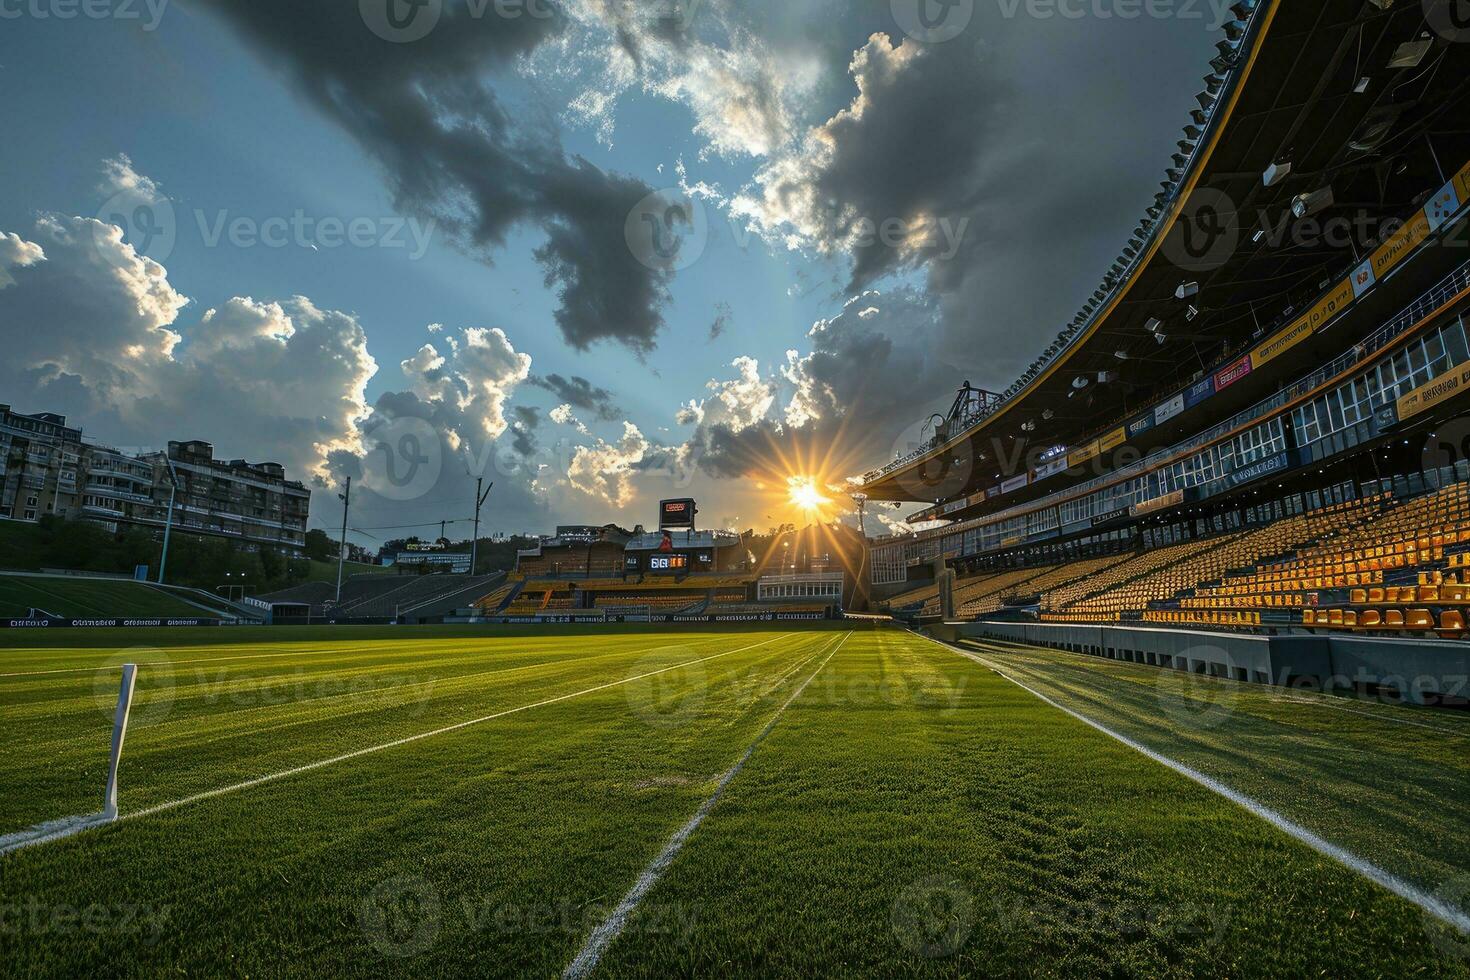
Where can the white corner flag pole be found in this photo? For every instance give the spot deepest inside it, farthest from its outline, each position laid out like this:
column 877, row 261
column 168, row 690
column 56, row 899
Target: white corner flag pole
column 119, row 731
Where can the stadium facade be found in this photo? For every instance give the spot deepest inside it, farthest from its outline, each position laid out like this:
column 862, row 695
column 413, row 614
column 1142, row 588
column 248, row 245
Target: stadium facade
column 47, row 468
column 1278, row 358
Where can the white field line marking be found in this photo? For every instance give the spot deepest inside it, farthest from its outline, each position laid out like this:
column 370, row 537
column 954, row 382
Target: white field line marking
column 434, row 681
column 1433, row 905
column 1298, row 696
column 49, row 831
column 356, row 753
column 610, row 928
column 1315, row 699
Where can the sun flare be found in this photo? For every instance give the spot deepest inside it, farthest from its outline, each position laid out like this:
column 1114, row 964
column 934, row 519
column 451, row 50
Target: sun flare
column 805, row 494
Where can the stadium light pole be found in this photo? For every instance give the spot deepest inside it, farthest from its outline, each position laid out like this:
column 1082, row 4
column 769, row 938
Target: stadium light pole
column 342, row 545
column 479, row 502
column 168, row 524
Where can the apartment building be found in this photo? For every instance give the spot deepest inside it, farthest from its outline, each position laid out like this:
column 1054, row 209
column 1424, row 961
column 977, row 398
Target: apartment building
column 47, row 468
column 40, row 459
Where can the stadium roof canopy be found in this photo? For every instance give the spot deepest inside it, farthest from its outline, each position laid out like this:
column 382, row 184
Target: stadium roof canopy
column 1366, row 101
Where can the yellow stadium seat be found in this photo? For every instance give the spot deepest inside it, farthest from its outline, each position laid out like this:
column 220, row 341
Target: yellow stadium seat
column 1419, row 619
column 1393, row 618
column 1370, row 618
column 1451, row 624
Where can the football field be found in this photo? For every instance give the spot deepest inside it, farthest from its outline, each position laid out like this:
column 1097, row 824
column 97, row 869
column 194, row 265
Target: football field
column 655, row 803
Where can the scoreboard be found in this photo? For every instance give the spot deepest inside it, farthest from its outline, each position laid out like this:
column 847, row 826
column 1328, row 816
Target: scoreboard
column 677, row 513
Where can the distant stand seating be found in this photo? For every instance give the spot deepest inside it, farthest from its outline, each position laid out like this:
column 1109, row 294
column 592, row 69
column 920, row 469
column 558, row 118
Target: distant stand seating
column 1378, row 564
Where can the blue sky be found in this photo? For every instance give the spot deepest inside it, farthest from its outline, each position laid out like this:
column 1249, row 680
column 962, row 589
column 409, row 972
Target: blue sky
column 1019, row 151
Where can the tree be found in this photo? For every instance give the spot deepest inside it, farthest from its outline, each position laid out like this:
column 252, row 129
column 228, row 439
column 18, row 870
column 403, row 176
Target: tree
column 319, row 547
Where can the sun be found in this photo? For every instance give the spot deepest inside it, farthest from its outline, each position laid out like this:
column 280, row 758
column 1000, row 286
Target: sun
column 805, row 494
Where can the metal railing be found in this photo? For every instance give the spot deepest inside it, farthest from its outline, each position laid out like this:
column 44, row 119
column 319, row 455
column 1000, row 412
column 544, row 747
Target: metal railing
column 1427, row 302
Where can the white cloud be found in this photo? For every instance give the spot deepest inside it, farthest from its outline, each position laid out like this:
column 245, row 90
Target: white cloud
column 604, row 470
column 475, row 374
column 17, row 253
column 562, row 415
column 101, row 340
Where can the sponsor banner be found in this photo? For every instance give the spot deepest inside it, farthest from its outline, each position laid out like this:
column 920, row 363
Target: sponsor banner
column 1385, row 417
column 1140, row 425
column 1280, row 342
column 1158, row 503
column 1167, row 410
column 1051, row 469
column 1258, row 469
column 955, row 505
column 1199, row 391
column 1079, row 456
column 1014, row 539
column 1110, row 516
column 1462, row 183
column 101, row 623
column 1231, row 373
column 1331, row 305
column 1442, row 206
column 1398, row 247
column 1441, row 389
column 1112, row 440
column 1014, row 484
column 1076, row 527
column 1363, row 278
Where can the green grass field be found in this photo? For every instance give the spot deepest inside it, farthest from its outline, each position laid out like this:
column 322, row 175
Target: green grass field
column 476, row 802
column 85, row 598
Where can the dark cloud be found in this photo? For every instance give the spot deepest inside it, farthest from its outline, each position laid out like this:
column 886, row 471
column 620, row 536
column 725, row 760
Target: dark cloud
column 1018, row 155
column 580, row 393
column 524, row 422
column 721, row 321
column 453, row 151
column 872, row 374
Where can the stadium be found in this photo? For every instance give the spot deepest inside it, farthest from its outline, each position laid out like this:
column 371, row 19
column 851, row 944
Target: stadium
column 1163, row 671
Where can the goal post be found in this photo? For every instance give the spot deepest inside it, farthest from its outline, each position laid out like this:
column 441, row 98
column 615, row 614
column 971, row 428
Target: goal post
column 119, row 732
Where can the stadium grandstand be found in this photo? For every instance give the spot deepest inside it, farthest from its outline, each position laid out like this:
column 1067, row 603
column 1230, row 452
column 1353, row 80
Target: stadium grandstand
column 677, row 573
column 1257, row 423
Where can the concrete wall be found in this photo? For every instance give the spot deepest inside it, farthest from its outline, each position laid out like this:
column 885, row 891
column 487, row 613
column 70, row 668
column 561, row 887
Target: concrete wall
column 1417, row 670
